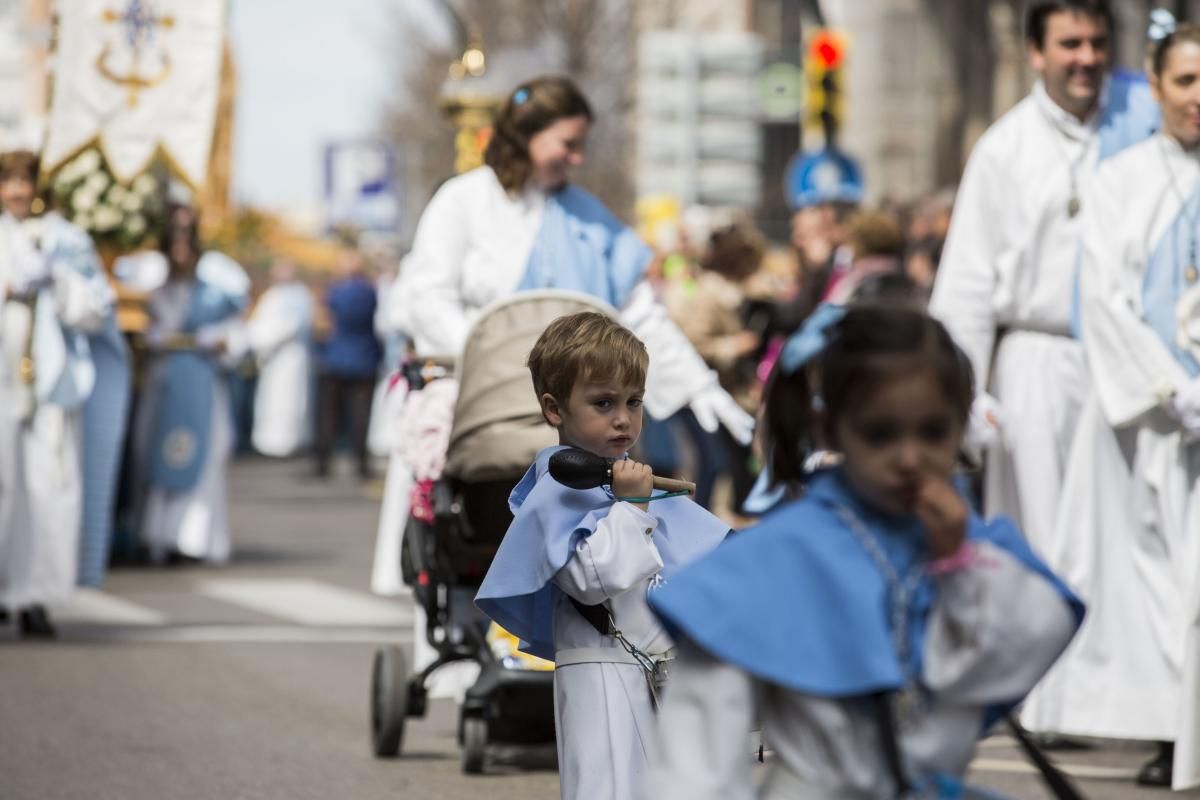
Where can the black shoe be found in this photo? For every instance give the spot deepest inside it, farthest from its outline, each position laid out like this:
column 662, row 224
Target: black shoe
column 35, row 623
column 1158, row 772
column 3, row 616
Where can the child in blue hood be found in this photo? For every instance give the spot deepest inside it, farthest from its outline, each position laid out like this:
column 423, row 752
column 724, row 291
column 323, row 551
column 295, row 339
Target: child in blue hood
column 571, row 576
column 875, row 626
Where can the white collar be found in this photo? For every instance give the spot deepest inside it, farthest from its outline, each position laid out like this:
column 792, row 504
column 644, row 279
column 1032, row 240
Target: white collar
column 1064, row 121
column 1176, row 155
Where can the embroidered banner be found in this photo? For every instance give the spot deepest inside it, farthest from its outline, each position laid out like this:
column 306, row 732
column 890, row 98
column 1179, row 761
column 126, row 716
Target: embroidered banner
column 138, row 77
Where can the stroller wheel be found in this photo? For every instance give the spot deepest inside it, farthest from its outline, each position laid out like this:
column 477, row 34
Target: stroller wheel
column 475, row 737
column 389, row 701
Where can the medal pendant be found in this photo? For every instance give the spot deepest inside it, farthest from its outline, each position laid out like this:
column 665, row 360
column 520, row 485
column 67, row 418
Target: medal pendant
column 1191, row 274
column 1073, row 206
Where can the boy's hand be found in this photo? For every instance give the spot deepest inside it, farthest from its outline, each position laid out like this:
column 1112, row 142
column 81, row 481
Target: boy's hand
column 631, row 479
column 944, row 514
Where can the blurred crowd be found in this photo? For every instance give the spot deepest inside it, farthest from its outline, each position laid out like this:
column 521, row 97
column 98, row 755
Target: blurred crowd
column 738, row 298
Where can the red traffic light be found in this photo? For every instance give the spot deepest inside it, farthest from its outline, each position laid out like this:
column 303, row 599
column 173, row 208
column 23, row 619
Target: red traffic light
column 827, row 49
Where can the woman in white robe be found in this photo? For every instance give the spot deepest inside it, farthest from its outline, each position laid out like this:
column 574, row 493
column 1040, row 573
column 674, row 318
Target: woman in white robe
column 1128, row 531
column 280, row 334
column 48, row 305
column 515, row 224
column 196, row 312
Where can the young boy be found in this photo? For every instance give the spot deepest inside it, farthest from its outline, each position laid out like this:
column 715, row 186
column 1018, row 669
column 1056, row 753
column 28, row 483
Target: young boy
column 571, row 576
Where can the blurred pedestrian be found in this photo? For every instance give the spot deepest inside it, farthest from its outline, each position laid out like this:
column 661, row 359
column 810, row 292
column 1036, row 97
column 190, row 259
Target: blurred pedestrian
column 347, row 363
column 708, row 309
column 280, row 335
column 1006, row 280
column 53, row 295
column 183, row 430
column 876, row 244
column 1131, row 512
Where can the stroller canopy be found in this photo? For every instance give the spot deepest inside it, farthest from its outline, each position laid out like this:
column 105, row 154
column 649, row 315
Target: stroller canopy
column 498, row 426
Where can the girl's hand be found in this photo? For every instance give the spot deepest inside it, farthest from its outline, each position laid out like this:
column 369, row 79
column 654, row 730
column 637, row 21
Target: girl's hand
column 944, row 514
column 631, row 479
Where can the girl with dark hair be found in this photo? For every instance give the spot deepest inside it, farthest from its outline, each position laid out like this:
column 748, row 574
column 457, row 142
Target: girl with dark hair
column 1127, row 536
column 875, row 625
column 517, row 223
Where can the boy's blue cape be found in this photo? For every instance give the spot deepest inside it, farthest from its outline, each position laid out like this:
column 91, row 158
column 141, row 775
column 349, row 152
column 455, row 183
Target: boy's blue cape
column 549, row 519
column 797, row 601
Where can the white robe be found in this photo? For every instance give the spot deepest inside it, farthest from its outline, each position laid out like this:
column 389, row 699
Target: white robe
column 1009, row 264
column 993, row 632
column 279, row 333
column 1129, row 531
column 604, row 720
column 41, row 501
column 471, row 249
column 195, row 522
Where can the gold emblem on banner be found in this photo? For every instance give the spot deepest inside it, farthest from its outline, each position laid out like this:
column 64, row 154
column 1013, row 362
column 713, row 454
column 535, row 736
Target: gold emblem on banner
column 140, row 24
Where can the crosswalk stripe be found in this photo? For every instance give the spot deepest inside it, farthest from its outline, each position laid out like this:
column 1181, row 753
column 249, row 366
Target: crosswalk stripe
column 237, row 634
column 307, row 602
column 1075, row 770
column 94, row 607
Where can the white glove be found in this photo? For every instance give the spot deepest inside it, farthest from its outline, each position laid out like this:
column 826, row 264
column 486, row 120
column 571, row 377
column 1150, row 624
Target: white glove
column 984, row 425
column 714, row 407
column 1186, row 405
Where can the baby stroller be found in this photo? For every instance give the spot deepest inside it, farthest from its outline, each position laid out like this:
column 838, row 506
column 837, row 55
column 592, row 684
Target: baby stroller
column 496, row 433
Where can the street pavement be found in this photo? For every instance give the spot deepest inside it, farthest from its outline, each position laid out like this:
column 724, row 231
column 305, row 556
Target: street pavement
column 251, row 680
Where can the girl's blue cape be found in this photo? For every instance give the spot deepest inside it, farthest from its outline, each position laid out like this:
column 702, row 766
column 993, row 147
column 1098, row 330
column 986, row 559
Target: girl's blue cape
column 797, row 601
column 548, row 521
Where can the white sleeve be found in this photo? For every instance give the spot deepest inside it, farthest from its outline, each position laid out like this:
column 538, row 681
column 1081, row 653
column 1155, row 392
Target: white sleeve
column 1132, row 369
column 428, row 293
column 708, row 709
column 619, row 556
column 389, row 312
column 995, row 630
column 84, row 302
column 967, row 273
column 677, row 373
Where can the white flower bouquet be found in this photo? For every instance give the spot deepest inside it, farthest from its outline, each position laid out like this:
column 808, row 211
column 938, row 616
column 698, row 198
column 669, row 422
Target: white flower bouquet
column 86, row 193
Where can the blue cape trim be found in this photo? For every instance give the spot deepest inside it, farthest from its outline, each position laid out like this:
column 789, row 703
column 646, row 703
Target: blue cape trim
column 1165, row 281
column 1130, row 116
column 549, row 519
column 582, row 247
column 184, row 424
column 798, row 602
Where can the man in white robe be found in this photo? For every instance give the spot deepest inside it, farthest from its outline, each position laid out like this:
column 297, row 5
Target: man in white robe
column 280, row 334
column 47, row 308
column 1006, row 283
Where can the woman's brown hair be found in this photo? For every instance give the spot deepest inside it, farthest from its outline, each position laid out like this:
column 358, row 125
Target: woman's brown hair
column 20, row 164
column 1186, row 32
column 533, row 106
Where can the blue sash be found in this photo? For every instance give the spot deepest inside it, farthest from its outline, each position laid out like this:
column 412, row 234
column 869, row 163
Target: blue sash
column 182, row 430
column 1130, row 116
column 1166, row 280
column 582, row 247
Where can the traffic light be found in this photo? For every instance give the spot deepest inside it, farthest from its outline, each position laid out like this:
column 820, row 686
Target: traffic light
column 823, row 72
